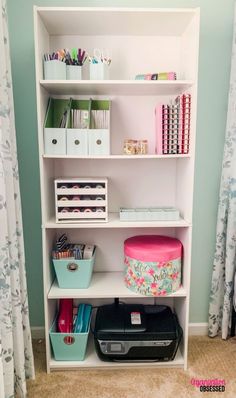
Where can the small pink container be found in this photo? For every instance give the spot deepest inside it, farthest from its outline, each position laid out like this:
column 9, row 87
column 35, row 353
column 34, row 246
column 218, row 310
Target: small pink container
column 153, row 264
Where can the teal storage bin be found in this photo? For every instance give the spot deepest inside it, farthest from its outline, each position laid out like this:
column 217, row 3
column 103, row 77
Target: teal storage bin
column 68, row 346
column 74, row 274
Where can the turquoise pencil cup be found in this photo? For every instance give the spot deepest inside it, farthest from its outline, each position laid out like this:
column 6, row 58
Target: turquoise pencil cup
column 54, row 70
column 98, row 71
column 74, row 72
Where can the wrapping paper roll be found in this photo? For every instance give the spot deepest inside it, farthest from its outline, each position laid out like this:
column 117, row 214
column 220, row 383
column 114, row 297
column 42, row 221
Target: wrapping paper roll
column 99, row 210
column 65, row 210
column 87, row 210
column 76, row 210
column 76, row 197
column 86, row 197
column 64, row 198
column 88, row 252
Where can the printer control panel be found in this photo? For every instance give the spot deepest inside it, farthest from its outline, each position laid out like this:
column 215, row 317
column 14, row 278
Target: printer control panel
column 123, row 347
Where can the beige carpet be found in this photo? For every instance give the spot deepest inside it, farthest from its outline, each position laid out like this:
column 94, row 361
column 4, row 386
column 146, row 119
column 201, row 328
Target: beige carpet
column 208, row 359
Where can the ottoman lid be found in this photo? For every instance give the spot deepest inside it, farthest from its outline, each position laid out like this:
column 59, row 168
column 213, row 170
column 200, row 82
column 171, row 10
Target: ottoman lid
column 153, row 248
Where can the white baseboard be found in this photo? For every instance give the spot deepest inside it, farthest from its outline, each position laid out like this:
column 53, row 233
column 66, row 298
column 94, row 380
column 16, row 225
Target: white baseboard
column 198, row 329
column 195, row 329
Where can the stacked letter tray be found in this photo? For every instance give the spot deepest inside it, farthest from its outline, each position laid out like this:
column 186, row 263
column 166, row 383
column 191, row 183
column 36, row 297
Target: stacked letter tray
column 81, row 200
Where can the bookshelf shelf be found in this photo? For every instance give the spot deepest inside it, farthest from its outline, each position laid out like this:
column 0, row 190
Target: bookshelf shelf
column 119, row 157
column 119, row 87
column 114, row 222
column 103, row 285
column 92, row 361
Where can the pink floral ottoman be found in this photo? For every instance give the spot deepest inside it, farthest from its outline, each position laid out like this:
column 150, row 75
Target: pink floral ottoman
column 153, row 264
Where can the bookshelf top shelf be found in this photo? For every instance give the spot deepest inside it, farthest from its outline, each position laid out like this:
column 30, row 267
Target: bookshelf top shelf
column 116, row 87
column 108, row 21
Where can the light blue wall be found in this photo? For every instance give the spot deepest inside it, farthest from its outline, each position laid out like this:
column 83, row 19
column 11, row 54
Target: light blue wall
column 214, row 68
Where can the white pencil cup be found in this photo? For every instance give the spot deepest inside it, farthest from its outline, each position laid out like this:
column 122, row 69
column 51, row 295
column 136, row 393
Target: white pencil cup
column 54, row 70
column 99, row 71
column 73, row 72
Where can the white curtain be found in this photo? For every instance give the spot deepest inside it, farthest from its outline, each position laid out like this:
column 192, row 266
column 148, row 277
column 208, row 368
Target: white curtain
column 16, row 356
column 221, row 297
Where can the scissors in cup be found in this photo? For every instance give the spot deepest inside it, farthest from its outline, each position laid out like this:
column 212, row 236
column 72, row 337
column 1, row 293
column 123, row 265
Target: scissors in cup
column 101, row 56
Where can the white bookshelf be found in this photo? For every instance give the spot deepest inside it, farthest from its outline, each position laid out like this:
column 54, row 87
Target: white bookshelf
column 161, row 40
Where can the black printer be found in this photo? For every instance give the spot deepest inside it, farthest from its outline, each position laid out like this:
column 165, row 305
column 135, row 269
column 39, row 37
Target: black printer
column 134, row 332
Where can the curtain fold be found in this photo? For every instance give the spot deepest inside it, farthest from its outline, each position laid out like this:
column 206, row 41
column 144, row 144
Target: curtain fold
column 224, row 264
column 16, row 356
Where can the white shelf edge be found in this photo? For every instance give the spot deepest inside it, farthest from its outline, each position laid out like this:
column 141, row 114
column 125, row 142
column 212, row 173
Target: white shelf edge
column 92, row 361
column 119, row 157
column 116, row 87
column 120, row 9
column 105, row 285
column 120, row 81
column 114, row 222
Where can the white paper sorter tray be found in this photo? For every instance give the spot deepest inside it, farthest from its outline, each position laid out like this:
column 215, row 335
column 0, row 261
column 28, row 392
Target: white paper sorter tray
column 149, row 214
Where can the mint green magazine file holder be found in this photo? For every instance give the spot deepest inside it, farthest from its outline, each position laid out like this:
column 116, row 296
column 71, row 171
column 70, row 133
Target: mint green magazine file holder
column 54, row 135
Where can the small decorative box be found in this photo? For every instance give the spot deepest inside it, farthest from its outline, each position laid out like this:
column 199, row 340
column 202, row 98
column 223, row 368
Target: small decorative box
column 153, row 264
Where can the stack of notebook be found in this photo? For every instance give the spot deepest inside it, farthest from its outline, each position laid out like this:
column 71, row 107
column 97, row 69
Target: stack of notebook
column 173, row 126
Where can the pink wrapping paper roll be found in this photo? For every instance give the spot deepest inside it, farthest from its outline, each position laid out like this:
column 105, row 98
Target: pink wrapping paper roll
column 65, row 210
